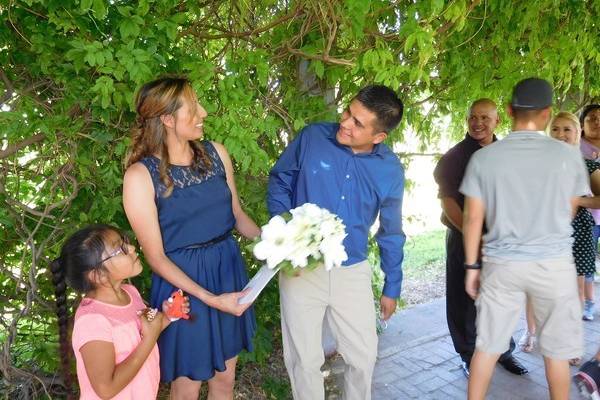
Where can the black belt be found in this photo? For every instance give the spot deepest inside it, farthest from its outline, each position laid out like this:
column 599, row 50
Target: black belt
column 210, row 242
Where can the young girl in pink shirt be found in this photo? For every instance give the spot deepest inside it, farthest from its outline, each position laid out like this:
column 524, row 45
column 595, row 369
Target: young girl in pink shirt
column 114, row 334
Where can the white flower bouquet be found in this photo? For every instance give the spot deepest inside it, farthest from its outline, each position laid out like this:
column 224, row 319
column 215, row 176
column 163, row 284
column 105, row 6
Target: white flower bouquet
column 307, row 237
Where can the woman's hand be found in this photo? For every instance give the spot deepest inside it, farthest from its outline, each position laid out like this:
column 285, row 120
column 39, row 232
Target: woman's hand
column 229, row 303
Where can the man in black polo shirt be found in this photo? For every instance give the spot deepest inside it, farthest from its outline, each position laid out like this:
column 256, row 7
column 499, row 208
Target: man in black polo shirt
column 449, row 172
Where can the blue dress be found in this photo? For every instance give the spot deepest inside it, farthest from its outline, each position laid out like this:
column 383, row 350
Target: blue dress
column 195, row 223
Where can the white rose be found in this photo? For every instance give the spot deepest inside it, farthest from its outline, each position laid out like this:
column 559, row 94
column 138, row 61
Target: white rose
column 275, row 242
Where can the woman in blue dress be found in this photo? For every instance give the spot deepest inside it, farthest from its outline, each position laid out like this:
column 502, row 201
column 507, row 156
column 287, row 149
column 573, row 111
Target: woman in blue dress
column 180, row 198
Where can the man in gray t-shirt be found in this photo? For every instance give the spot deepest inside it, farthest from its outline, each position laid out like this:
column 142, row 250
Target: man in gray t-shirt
column 524, row 187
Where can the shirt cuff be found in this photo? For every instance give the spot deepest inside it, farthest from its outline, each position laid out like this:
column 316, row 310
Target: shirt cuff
column 391, row 290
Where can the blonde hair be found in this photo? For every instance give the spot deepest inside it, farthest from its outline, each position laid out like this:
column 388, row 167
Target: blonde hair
column 160, row 97
column 570, row 116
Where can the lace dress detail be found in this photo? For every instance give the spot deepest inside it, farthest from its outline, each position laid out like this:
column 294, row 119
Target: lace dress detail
column 184, row 176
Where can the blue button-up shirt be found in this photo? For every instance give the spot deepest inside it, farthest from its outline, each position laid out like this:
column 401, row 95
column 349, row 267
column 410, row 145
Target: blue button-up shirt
column 315, row 168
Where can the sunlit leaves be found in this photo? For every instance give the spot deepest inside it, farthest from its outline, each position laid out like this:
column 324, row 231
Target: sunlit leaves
column 357, row 11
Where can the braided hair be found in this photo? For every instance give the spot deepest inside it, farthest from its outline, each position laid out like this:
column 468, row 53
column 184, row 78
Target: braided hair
column 80, row 254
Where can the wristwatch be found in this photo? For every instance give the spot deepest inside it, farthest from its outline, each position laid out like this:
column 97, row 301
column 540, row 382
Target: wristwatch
column 476, row 265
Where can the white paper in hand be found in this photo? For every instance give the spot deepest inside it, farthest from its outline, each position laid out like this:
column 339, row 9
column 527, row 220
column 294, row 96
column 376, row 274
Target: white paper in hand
column 258, row 283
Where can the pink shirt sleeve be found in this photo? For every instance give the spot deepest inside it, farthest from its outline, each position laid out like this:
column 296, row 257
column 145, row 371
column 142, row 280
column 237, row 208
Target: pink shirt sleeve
column 90, row 327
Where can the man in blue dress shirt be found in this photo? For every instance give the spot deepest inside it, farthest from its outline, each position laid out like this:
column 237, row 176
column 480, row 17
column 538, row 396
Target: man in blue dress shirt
column 346, row 169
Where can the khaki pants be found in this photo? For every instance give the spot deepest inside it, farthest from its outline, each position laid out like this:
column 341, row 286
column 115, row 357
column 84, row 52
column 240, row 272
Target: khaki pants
column 551, row 285
column 346, row 295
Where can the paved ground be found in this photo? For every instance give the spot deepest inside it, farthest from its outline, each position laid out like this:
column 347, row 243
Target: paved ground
column 417, row 361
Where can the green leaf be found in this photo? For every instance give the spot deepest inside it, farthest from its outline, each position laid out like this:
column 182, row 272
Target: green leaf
column 381, row 76
column 125, row 11
column 118, row 99
column 319, row 68
column 74, row 54
column 141, row 55
column 129, row 28
column 170, row 29
column 415, row 74
column 179, row 18
column 104, row 88
column 138, row 20
column 85, row 5
column 99, row 9
column 437, row 6
column 100, row 59
column 90, row 58
column 410, row 41
column 143, row 7
column 460, row 25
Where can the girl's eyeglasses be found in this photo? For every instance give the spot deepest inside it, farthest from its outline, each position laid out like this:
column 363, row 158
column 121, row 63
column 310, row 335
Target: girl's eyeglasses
column 123, row 248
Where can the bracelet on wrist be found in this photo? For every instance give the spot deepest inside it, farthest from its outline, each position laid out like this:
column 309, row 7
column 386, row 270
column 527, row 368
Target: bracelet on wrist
column 472, row 266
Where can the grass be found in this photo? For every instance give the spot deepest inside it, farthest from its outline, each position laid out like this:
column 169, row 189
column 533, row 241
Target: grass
column 424, row 254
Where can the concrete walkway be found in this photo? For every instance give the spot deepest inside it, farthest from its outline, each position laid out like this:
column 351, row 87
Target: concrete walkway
column 417, row 360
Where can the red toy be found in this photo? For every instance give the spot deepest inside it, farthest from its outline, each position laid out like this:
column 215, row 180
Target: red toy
column 176, row 306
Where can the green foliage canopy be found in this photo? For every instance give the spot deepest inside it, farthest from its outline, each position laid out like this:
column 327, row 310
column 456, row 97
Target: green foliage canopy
column 262, row 69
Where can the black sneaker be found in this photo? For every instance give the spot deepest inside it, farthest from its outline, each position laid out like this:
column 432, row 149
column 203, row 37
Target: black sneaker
column 465, row 369
column 513, row 366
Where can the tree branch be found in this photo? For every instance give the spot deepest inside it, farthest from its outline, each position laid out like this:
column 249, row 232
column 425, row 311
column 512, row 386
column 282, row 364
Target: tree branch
column 10, row 89
column 256, row 31
column 12, row 149
column 324, row 58
column 442, row 29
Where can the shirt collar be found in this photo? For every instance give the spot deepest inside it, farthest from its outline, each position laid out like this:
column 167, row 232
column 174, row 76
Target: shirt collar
column 472, row 141
column 524, row 134
column 378, row 149
column 587, row 147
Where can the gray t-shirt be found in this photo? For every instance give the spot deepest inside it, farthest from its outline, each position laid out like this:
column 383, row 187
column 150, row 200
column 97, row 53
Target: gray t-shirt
column 526, row 182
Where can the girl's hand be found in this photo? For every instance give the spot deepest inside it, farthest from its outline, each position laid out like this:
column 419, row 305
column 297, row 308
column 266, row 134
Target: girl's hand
column 229, row 303
column 152, row 326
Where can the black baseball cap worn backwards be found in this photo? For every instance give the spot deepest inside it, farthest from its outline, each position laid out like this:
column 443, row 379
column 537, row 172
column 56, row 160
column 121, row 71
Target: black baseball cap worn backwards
column 532, row 94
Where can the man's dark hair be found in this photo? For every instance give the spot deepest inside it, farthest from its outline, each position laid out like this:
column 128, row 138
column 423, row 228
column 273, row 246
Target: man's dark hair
column 522, row 114
column 384, row 102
